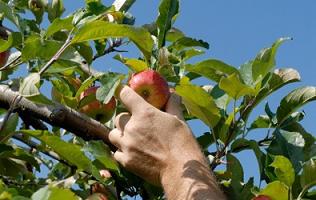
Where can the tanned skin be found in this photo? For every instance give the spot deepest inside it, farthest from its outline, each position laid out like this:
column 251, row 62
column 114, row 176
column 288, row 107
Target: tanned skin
column 159, row 147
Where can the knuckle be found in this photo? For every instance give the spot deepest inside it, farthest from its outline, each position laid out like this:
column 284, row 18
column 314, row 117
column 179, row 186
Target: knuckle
column 148, row 112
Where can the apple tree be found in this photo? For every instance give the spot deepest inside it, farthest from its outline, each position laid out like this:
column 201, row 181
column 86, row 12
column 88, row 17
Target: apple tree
column 57, row 110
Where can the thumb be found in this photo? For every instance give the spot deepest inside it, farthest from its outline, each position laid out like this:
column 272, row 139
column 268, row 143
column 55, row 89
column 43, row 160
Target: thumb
column 174, row 107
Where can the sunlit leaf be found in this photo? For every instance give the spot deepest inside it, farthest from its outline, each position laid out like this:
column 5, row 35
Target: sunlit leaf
column 198, row 102
column 97, row 30
column 54, row 193
column 212, row 69
column 294, row 100
column 134, row 64
column 70, row 152
column 234, row 87
column 276, row 191
column 58, row 25
column 29, row 85
column 265, row 60
column 283, row 170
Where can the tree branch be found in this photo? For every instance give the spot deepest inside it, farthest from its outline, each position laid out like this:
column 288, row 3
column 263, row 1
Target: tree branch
column 57, row 115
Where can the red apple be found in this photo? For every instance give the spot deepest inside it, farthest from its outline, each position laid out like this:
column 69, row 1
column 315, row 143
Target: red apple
column 94, row 108
column 4, row 57
column 261, row 197
column 151, row 86
column 97, row 196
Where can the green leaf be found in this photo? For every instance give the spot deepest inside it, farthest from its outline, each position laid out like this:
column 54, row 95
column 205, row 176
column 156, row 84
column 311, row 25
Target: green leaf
column 242, row 144
column 14, row 40
column 189, row 53
column 58, row 25
column 85, row 51
column 283, row 170
column 168, row 10
column 309, row 173
column 102, row 153
column 309, row 148
column 198, row 102
column 262, row 121
column 29, row 85
column 294, row 101
column 186, row 42
column 265, row 60
column 220, row 97
column 134, row 64
column 290, row 145
column 8, row 12
column 70, row 152
column 10, row 125
column 55, row 9
column 276, row 191
column 278, row 79
column 205, row 140
column 212, row 69
column 110, row 82
column 54, row 193
column 37, row 48
column 236, row 171
column 234, row 87
column 97, row 30
column 10, row 168
column 19, row 154
column 174, row 34
column 87, row 83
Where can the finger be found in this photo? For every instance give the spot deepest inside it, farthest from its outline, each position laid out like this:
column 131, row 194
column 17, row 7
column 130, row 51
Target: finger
column 174, row 107
column 115, row 137
column 131, row 100
column 121, row 120
column 120, row 157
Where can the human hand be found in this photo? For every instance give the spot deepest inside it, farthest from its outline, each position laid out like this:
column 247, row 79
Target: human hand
column 150, row 141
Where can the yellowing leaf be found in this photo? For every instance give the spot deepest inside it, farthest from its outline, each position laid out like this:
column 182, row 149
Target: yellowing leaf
column 284, row 170
column 234, row 87
column 198, row 102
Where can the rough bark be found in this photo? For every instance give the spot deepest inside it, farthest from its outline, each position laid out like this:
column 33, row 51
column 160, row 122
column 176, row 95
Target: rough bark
column 56, row 115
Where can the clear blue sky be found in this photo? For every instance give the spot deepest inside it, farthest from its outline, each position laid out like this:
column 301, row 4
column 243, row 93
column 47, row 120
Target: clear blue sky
column 236, row 31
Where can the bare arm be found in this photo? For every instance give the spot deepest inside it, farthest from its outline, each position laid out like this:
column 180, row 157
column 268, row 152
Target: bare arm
column 159, row 147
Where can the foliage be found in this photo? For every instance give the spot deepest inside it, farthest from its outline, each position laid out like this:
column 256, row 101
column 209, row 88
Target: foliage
column 55, row 56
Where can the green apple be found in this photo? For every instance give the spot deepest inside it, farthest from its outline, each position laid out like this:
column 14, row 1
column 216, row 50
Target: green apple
column 151, row 86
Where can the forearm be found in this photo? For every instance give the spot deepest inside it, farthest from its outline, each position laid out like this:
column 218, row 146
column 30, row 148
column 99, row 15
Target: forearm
column 191, row 180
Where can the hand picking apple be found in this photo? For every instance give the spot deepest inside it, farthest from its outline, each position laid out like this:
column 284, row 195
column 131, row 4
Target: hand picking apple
column 160, row 148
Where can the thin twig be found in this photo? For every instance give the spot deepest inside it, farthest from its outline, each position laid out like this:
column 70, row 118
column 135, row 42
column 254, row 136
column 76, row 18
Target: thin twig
column 111, row 48
column 6, row 66
column 58, row 53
